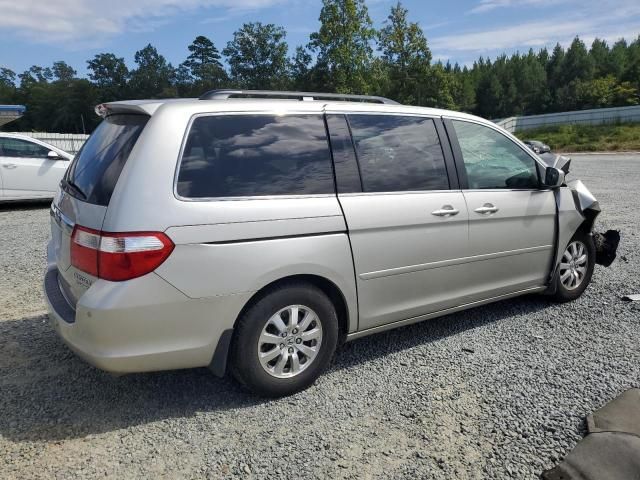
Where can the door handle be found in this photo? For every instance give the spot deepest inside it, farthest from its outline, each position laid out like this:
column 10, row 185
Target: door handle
column 10, row 166
column 487, row 208
column 445, row 211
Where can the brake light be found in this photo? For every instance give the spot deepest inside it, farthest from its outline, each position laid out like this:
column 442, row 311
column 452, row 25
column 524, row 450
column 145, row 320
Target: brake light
column 118, row 256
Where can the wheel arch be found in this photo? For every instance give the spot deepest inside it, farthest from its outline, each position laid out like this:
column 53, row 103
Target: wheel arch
column 223, row 350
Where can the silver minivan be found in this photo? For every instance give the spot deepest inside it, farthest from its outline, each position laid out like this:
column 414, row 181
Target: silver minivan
column 253, row 231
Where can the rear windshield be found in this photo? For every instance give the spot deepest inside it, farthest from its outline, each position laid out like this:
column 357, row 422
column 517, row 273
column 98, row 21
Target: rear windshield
column 95, row 170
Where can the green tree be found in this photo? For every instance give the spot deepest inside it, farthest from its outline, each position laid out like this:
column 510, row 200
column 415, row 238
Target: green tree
column 532, row 89
column 617, row 64
column 543, row 57
column 343, row 46
column 110, row 75
column 577, row 64
column 63, row 71
column 600, row 55
column 257, row 56
column 490, row 96
column 597, row 93
column 464, row 92
column 7, row 85
column 555, row 66
column 406, row 53
column 605, row 92
column 68, row 107
column 35, row 74
column 300, row 70
column 154, row 76
column 625, row 94
column 202, row 70
column 632, row 67
column 437, row 88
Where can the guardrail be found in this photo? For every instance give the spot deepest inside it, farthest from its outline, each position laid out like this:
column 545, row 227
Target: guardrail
column 596, row 116
column 69, row 142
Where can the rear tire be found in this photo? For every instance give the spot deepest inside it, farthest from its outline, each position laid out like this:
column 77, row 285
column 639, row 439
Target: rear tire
column 285, row 340
column 575, row 269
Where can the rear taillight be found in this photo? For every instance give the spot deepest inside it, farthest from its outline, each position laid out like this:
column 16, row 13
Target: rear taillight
column 118, row 256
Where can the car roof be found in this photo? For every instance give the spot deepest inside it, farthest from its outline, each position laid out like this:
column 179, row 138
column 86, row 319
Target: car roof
column 150, row 107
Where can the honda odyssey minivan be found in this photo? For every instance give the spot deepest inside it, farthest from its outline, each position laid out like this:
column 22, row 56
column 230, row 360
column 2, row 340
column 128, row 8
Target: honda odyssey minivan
column 253, row 231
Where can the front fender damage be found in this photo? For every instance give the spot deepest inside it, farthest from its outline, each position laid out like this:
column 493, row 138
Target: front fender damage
column 577, row 209
column 606, row 243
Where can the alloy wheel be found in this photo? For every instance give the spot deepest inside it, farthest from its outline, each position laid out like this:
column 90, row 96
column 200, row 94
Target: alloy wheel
column 573, row 266
column 290, row 341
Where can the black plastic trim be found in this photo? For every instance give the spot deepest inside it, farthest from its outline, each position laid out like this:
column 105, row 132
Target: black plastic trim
column 343, row 158
column 449, row 162
column 281, row 237
column 463, row 181
column 56, row 298
column 220, row 358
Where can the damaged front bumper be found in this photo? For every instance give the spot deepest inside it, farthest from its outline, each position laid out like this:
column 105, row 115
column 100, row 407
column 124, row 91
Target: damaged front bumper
column 606, row 246
column 577, row 209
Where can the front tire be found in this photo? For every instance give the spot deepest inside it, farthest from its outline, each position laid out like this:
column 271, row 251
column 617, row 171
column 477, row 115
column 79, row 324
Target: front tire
column 575, row 269
column 285, row 340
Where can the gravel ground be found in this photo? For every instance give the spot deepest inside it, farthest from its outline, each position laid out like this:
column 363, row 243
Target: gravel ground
column 496, row 392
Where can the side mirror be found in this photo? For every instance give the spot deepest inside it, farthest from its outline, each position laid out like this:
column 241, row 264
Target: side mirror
column 53, row 156
column 553, row 177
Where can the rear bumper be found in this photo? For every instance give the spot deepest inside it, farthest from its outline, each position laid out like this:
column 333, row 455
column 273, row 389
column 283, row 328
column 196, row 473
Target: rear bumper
column 141, row 325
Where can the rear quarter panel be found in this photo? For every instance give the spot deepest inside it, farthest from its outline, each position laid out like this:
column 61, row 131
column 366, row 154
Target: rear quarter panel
column 203, row 270
column 227, row 246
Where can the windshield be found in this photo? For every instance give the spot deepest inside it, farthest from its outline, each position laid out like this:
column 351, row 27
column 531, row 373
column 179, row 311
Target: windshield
column 96, row 168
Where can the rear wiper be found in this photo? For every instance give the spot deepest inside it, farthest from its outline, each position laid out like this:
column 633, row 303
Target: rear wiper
column 72, row 186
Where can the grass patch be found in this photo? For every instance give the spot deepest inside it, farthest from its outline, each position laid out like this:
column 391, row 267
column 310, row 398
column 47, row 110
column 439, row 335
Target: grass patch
column 587, row 138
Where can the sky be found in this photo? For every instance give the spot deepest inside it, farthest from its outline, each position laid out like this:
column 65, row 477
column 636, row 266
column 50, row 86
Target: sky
column 39, row 32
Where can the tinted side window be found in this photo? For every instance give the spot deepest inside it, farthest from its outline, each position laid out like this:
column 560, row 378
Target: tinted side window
column 492, row 160
column 15, row 147
column 398, row 153
column 248, row 155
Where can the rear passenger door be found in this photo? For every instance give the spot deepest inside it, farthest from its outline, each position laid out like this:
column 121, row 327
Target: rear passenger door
column 511, row 216
column 406, row 218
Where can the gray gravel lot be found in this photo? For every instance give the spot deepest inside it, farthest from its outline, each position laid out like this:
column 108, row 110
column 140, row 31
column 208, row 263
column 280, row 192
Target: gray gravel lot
column 496, row 392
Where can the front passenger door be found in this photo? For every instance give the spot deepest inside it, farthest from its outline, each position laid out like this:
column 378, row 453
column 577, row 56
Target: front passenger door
column 27, row 172
column 511, row 216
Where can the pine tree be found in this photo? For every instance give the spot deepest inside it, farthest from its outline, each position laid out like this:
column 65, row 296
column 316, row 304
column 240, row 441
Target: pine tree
column 202, row 70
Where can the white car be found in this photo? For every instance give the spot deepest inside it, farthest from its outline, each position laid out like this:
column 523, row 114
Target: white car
column 29, row 168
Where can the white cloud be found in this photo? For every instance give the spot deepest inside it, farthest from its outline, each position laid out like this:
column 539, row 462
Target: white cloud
column 93, row 21
column 529, row 34
column 605, row 19
column 488, row 5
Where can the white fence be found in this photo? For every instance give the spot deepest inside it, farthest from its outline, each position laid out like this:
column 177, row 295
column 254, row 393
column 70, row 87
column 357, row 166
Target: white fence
column 69, row 142
column 597, row 116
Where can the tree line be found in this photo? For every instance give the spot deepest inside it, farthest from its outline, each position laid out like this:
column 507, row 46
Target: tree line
column 346, row 55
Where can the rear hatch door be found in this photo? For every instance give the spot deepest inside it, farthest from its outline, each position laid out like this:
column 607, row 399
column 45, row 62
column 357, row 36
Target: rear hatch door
column 85, row 192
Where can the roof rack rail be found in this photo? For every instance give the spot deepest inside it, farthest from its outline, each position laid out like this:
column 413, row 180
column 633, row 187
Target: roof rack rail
column 304, row 96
